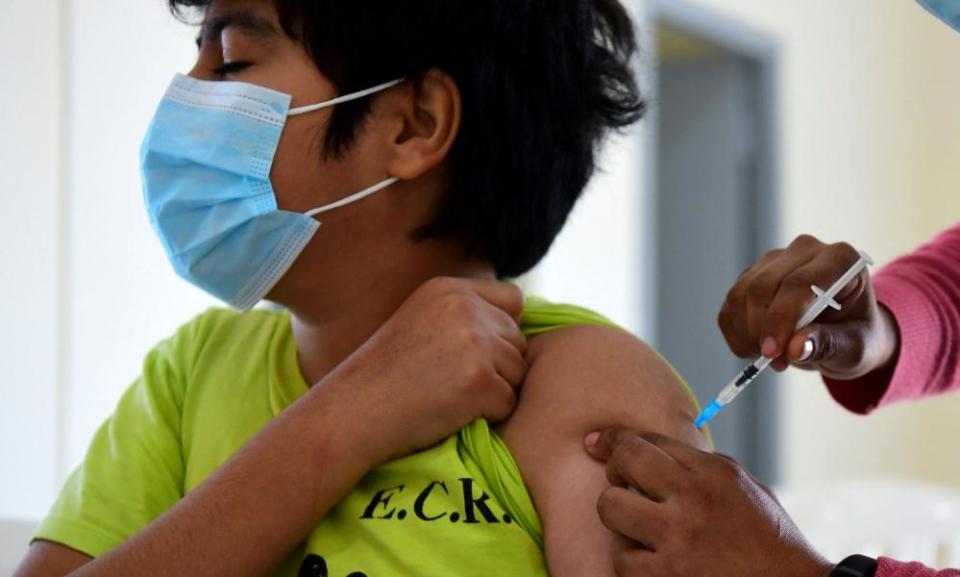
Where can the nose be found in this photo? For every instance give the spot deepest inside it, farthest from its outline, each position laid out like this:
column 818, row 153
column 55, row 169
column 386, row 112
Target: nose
column 201, row 72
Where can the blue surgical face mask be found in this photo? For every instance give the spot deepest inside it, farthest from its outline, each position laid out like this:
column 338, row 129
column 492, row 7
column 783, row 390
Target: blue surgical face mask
column 205, row 164
column 946, row 10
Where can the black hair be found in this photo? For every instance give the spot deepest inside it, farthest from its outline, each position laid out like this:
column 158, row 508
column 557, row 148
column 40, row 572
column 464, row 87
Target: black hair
column 542, row 82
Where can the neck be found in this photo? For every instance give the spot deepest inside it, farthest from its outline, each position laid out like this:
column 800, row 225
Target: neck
column 331, row 322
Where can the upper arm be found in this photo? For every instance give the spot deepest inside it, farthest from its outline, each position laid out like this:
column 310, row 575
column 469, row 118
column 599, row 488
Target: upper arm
column 47, row 559
column 133, row 470
column 583, row 379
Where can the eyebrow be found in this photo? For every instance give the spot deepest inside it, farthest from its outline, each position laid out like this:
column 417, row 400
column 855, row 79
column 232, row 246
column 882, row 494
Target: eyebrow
column 246, row 21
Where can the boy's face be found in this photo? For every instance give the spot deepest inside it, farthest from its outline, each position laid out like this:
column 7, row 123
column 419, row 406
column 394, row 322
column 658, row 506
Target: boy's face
column 406, row 134
column 242, row 40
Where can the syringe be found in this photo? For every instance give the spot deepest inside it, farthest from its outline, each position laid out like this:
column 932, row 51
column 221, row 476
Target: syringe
column 749, row 374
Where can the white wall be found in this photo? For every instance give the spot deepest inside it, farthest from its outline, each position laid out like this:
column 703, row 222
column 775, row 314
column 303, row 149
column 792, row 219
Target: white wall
column 86, row 288
column 29, row 257
column 124, row 296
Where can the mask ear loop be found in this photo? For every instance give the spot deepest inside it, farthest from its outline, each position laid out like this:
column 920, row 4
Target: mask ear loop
column 348, row 98
column 345, row 98
column 354, row 197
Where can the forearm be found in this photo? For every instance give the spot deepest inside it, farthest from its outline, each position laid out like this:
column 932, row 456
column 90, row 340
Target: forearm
column 891, row 568
column 921, row 291
column 252, row 513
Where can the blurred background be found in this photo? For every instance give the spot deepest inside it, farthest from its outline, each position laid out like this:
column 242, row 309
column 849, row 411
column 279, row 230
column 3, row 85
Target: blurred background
column 768, row 120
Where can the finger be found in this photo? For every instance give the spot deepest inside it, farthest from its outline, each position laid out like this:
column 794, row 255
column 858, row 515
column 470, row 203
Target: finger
column 633, row 516
column 733, row 318
column 795, row 294
column 509, row 362
column 766, row 259
column 733, row 315
column 505, row 296
column 637, row 463
column 765, row 285
column 856, row 288
column 780, row 364
column 601, row 444
column 501, row 400
column 687, row 456
column 506, row 328
column 732, row 321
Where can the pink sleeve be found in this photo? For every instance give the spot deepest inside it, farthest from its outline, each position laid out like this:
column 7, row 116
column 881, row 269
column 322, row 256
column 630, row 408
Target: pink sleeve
column 891, row 568
column 922, row 290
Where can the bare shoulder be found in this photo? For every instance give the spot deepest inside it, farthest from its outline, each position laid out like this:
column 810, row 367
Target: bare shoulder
column 586, row 378
column 583, row 379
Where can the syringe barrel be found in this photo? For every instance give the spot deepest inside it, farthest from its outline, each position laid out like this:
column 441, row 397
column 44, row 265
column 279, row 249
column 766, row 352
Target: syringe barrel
column 728, row 394
column 743, row 380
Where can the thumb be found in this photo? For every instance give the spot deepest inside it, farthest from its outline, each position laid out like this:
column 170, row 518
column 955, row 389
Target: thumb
column 830, row 348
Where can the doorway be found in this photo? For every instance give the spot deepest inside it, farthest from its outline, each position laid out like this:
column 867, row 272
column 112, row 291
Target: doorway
column 716, row 205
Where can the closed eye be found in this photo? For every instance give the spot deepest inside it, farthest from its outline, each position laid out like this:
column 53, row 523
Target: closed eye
column 231, row 67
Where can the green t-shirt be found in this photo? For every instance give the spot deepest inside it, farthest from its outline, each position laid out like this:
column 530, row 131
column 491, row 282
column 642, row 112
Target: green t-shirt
column 459, row 508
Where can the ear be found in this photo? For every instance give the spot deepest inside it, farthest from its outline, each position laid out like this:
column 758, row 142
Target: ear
column 428, row 123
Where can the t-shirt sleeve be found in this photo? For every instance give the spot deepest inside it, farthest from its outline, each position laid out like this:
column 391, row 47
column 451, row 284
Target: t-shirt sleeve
column 134, row 468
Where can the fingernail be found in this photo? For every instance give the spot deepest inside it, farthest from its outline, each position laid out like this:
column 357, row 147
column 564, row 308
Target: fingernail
column 769, row 347
column 592, row 439
column 807, row 351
